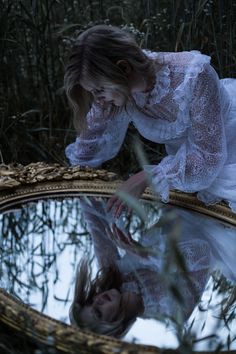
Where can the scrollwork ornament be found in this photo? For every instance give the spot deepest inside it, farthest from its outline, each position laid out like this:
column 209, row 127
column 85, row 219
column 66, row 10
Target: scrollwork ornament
column 14, row 175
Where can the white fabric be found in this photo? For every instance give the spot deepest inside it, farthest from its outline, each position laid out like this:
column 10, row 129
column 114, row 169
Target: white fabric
column 220, row 237
column 155, row 284
column 204, row 243
column 192, row 112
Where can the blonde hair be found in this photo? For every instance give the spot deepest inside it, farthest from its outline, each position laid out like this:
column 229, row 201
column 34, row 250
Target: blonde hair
column 94, row 57
column 86, row 289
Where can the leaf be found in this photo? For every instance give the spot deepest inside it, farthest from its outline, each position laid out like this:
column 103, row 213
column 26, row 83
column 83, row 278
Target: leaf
column 143, row 161
column 67, row 27
column 140, row 152
column 30, row 112
column 179, row 35
column 211, row 336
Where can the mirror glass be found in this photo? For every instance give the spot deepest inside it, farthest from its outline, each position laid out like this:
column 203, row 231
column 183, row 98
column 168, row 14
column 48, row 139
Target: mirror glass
column 179, row 263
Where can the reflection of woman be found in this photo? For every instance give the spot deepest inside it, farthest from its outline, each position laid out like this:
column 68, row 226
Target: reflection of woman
column 134, row 285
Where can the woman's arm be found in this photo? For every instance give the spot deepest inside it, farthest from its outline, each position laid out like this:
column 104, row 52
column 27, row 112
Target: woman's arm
column 98, row 223
column 202, row 155
column 101, row 140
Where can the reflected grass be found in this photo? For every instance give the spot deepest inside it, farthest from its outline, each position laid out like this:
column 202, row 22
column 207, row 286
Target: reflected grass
column 33, row 241
column 37, row 235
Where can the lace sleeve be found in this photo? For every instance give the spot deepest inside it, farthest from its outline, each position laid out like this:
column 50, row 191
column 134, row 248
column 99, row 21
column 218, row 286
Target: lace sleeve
column 101, row 141
column 197, row 255
column 97, row 222
column 201, row 157
column 159, row 290
column 190, row 288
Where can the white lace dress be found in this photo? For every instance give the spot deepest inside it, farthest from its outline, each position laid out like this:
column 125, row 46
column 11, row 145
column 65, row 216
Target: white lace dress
column 189, row 110
column 199, row 245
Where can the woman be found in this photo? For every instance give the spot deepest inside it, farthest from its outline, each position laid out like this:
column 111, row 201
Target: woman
column 149, row 279
column 172, row 98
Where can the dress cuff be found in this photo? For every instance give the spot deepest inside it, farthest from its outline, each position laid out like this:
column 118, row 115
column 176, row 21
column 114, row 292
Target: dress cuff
column 159, row 181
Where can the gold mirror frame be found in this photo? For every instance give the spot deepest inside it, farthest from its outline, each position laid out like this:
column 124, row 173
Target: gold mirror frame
column 20, row 184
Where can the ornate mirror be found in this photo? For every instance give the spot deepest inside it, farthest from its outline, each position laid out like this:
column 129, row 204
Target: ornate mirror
column 181, row 261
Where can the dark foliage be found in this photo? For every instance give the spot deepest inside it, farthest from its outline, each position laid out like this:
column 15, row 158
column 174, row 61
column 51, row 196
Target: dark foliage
column 34, row 35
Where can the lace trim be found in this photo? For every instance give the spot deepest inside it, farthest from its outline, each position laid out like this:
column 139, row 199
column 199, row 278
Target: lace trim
column 160, row 89
column 182, row 96
column 208, row 198
column 159, row 181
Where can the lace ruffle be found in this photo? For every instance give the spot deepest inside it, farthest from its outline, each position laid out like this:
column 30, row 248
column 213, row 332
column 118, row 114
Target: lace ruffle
column 182, row 95
column 208, row 198
column 161, row 87
column 159, row 181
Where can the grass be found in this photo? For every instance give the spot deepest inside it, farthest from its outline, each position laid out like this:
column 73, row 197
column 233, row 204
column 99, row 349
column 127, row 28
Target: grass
column 35, row 119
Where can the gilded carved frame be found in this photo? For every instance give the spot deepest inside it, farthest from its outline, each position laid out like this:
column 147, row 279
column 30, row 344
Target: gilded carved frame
column 20, row 184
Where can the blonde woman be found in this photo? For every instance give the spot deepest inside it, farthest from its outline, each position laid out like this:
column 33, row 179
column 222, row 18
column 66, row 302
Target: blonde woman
column 172, row 98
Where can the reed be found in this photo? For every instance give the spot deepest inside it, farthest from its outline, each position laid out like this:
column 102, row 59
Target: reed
column 35, row 118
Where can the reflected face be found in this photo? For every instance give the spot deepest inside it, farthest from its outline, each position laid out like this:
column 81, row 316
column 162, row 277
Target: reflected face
column 105, row 307
column 103, row 95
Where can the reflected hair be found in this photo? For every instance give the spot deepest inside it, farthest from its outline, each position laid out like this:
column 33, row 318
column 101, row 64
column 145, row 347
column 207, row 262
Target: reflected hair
column 86, row 289
column 94, row 56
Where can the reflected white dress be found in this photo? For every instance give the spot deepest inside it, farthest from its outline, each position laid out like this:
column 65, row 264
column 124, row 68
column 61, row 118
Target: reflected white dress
column 189, row 110
column 199, row 244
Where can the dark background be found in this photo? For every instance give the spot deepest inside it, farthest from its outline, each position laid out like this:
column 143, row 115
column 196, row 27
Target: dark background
column 35, row 120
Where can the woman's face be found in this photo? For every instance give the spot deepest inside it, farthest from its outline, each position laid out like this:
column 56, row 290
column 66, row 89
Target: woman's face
column 103, row 95
column 104, row 307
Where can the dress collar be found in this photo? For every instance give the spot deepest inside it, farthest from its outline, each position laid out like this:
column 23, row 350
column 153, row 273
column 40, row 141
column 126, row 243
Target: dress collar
column 159, row 90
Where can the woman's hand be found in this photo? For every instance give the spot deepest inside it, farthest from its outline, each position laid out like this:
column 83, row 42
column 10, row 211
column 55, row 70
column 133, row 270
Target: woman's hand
column 134, row 186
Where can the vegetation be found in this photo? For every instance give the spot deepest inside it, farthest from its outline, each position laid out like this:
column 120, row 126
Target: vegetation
column 35, row 120
column 34, row 40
